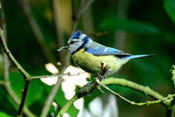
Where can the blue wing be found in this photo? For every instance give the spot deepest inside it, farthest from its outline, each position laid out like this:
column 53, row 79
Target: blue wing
column 106, row 51
column 100, row 51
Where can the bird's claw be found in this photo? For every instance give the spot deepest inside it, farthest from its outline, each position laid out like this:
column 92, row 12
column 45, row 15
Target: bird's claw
column 100, row 77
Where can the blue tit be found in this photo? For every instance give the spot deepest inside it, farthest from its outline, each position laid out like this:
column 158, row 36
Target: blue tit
column 88, row 54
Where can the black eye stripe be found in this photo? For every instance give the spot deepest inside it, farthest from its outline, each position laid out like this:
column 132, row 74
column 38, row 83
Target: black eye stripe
column 72, row 42
column 85, row 41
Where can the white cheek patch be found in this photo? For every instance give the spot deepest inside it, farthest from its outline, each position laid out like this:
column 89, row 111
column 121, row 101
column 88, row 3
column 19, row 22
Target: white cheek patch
column 78, row 44
column 75, row 46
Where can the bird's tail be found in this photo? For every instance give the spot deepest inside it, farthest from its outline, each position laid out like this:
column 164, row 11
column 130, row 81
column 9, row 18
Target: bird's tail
column 137, row 56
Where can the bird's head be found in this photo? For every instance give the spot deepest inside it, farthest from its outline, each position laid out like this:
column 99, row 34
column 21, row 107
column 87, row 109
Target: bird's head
column 78, row 41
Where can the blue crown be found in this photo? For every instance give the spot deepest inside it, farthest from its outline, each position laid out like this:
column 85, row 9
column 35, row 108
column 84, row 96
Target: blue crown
column 76, row 35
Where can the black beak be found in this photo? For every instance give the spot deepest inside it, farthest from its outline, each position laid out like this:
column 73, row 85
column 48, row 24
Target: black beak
column 66, row 47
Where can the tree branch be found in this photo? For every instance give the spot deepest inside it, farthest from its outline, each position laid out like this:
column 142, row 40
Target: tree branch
column 51, row 96
column 84, row 8
column 5, row 58
column 7, row 51
column 85, row 90
column 51, row 76
column 117, row 94
column 22, row 71
column 166, row 100
column 132, row 85
column 24, row 96
column 16, row 100
column 76, row 14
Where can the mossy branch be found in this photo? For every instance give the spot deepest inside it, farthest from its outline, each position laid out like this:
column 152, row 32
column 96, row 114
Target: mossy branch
column 86, row 90
column 145, row 90
column 125, row 83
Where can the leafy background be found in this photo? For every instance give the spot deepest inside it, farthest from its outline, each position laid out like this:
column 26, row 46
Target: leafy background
column 134, row 26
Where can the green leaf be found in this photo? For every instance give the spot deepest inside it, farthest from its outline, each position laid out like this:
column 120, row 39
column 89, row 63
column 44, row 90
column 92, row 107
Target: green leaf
column 6, row 107
column 2, row 114
column 35, row 91
column 17, row 83
column 169, row 6
column 128, row 25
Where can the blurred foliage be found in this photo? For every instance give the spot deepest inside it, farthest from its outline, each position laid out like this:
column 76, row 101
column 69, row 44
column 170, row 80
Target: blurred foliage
column 170, row 8
column 129, row 26
column 3, row 114
column 148, row 27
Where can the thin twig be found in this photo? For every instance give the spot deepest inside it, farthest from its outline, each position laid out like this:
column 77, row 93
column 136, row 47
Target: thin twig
column 18, row 66
column 134, row 86
column 99, row 34
column 24, row 96
column 5, row 58
column 84, row 8
column 51, row 76
column 6, row 82
column 16, row 100
column 117, row 94
column 166, row 100
column 76, row 14
column 7, row 51
column 74, row 17
column 7, row 85
column 50, row 98
column 54, row 90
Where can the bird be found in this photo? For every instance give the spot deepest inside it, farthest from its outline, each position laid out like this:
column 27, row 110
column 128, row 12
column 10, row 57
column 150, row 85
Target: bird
column 88, row 54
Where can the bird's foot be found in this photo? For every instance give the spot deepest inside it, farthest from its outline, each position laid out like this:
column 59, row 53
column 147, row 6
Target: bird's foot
column 100, row 77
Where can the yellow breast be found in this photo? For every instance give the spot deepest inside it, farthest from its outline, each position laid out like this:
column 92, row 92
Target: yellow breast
column 92, row 63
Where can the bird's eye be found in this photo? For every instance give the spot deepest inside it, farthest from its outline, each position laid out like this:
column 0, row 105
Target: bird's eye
column 72, row 42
